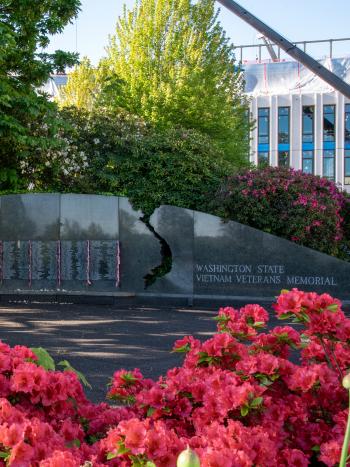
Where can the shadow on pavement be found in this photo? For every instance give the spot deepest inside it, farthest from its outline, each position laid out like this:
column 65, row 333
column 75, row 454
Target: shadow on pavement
column 99, row 340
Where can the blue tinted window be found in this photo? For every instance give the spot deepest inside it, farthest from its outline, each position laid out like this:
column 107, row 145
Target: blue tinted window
column 347, row 124
column 329, row 164
column 308, row 123
column 263, row 158
column 308, row 166
column 283, row 111
column 264, row 112
column 347, row 167
column 308, row 162
column 283, row 125
column 283, row 158
column 329, row 123
column 263, row 126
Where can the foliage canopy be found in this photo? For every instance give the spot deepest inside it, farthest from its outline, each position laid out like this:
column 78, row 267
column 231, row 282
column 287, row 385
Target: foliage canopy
column 25, row 27
column 171, row 64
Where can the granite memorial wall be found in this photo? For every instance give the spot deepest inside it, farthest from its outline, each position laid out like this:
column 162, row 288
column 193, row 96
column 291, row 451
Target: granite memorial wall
column 92, row 243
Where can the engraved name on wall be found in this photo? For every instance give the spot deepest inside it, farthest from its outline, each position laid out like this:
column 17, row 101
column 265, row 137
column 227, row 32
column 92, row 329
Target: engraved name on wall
column 59, row 261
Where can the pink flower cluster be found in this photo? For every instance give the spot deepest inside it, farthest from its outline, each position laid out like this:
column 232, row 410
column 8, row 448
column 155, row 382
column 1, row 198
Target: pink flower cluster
column 246, row 396
column 303, row 208
column 45, row 418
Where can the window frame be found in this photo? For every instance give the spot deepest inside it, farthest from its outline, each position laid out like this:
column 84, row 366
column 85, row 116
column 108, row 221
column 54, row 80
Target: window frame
column 334, row 163
column 267, row 135
column 303, row 158
column 326, row 140
column 266, row 161
column 346, row 113
column 346, row 177
column 278, row 124
column 303, row 133
column 288, row 160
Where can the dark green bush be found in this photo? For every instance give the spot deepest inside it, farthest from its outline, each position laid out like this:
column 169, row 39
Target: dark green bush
column 117, row 153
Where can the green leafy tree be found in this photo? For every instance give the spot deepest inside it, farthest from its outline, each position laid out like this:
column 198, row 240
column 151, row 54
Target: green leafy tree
column 28, row 121
column 82, row 87
column 175, row 66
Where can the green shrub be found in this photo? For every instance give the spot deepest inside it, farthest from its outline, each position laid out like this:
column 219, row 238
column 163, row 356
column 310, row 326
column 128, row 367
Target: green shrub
column 118, row 153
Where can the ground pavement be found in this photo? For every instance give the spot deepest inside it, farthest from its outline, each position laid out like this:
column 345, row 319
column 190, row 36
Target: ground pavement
column 99, row 339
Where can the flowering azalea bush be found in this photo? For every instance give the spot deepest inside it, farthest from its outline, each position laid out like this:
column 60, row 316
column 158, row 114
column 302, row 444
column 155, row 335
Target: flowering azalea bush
column 246, row 396
column 300, row 207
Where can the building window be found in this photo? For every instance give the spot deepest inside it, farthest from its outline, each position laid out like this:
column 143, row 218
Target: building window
column 263, row 126
column 329, row 123
column 283, row 158
column 347, row 124
column 329, row 164
column 308, row 162
column 308, row 123
column 263, row 159
column 283, row 125
column 347, row 167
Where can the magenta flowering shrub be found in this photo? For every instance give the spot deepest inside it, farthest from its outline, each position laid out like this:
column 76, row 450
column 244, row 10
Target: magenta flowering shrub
column 246, row 397
column 300, row 207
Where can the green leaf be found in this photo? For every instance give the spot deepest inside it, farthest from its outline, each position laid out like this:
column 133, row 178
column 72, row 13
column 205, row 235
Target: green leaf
column 259, row 324
column 286, row 315
column 222, row 318
column 4, row 454
column 122, row 449
column 111, row 455
column 74, row 443
column 150, row 411
column 183, row 349
column 316, row 448
column 333, row 308
column 204, row 358
column 44, row 358
column 263, row 379
column 256, row 402
column 244, row 411
column 129, row 378
column 305, row 316
column 150, row 464
column 68, row 367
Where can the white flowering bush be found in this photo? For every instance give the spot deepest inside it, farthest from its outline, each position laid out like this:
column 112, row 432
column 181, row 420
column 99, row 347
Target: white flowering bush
column 83, row 141
column 118, row 153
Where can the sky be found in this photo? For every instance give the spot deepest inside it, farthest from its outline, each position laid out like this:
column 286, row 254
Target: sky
column 296, row 19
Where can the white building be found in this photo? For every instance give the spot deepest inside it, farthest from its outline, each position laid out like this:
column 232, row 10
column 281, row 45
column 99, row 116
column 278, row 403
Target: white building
column 301, row 121
column 53, row 85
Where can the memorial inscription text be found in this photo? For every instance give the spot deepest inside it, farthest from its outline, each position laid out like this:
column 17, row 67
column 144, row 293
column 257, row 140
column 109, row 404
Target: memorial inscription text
column 259, row 274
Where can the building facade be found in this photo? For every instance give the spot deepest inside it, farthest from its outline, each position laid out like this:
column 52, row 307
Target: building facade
column 300, row 121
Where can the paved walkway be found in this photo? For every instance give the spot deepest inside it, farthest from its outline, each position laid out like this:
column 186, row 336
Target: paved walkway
column 99, row 339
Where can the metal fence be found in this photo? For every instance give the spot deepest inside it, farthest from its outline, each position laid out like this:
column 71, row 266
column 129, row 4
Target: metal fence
column 263, row 48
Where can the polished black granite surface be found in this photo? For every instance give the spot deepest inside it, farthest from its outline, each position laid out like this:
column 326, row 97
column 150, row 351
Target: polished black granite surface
column 101, row 244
